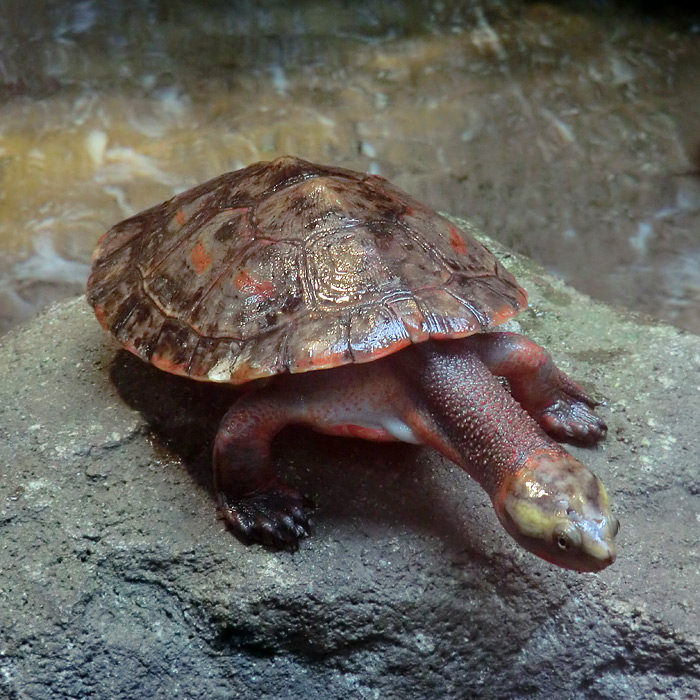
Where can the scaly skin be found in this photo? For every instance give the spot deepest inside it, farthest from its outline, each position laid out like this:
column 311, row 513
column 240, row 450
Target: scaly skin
column 445, row 395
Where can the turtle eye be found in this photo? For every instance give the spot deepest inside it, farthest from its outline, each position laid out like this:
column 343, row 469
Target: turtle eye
column 563, row 541
column 566, row 536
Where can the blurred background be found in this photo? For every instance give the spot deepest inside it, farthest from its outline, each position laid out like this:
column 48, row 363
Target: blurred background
column 567, row 130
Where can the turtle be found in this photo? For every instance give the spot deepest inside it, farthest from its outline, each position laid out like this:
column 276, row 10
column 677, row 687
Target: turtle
column 344, row 304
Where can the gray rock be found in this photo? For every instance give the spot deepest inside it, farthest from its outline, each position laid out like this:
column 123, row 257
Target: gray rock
column 119, row 582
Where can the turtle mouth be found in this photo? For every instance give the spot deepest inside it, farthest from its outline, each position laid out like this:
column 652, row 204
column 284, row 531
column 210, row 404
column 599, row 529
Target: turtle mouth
column 591, row 556
column 581, row 562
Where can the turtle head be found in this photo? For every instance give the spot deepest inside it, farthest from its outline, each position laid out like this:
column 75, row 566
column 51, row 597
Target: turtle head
column 557, row 509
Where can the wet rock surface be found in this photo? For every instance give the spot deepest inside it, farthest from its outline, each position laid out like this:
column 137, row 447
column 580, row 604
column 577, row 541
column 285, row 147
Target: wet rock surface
column 119, row 582
column 568, row 130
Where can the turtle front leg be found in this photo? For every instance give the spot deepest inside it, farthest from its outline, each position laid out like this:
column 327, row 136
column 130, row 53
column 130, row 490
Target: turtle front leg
column 556, row 402
column 256, row 504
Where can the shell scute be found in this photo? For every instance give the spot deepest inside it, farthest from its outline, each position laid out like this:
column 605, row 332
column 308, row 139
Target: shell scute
column 290, row 266
column 376, row 331
column 320, row 343
column 456, row 319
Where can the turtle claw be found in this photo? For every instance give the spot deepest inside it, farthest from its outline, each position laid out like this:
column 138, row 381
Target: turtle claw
column 275, row 518
column 570, row 418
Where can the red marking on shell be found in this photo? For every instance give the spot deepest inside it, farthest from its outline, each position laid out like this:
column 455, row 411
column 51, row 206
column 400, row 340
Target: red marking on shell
column 457, row 242
column 324, row 359
column 201, row 260
column 101, row 316
column 370, row 353
column 259, row 288
column 180, row 217
column 168, row 365
column 507, row 312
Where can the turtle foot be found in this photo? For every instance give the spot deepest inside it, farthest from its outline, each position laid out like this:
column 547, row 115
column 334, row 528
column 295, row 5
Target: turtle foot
column 276, row 518
column 570, row 417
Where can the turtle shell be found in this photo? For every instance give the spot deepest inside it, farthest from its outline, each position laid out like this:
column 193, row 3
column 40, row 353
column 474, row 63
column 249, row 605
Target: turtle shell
column 289, row 266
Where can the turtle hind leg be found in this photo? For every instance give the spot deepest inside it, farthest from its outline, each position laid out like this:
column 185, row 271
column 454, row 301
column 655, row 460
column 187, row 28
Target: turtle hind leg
column 257, row 506
column 560, row 406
